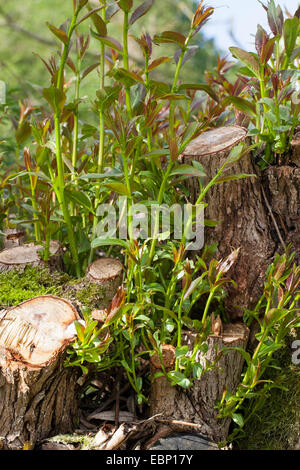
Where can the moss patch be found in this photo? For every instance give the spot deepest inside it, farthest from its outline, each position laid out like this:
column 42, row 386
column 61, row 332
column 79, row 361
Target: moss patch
column 92, row 296
column 276, row 426
column 16, row 286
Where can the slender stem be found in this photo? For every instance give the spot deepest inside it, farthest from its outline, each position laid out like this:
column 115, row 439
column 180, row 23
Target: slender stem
column 75, row 132
column 37, row 231
column 60, row 186
column 100, row 161
column 125, row 60
column 171, row 163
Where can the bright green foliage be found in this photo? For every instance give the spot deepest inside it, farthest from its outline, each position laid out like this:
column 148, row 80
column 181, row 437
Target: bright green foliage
column 16, row 286
column 276, row 424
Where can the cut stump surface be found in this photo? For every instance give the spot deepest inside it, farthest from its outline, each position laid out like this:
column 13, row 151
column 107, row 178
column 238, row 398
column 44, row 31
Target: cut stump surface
column 38, row 395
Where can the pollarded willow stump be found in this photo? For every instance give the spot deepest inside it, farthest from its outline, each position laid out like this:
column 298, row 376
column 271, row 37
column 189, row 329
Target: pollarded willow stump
column 197, row 404
column 38, row 395
column 239, row 207
column 19, row 257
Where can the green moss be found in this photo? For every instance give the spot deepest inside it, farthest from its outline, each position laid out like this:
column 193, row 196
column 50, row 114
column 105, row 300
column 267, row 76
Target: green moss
column 16, row 286
column 276, row 426
column 91, row 296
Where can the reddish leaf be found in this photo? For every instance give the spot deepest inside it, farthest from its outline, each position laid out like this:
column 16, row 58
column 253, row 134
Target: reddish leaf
column 275, row 18
column 89, row 69
column 99, row 24
column 158, row 62
column 141, row 11
column 59, row 33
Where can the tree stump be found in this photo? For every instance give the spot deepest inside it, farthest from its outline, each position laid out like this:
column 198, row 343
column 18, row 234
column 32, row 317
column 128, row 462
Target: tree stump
column 19, row 257
column 240, row 209
column 97, row 289
column 107, row 273
column 282, row 189
column 13, row 237
column 197, row 404
column 38, row 395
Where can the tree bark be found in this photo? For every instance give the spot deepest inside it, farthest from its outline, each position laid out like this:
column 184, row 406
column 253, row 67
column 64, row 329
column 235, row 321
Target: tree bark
column 240, row 209
column 282, row 189
column 197, row 404
column 18, row 257
column 38, row 395
column 98, row 287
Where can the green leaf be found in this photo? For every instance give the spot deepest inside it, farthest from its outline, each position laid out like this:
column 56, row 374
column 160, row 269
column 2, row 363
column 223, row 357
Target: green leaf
column 290, row 34
column 119, row 188
column 238, row 419
column 56, row 98
column 201, row 87
column 240, row 176
column 79, row 198
column 187, row 170
column 99, row 24
column 108, row 41
column 109, row 241
column 236, row 154
column 182, row 351
column 126, row 77
column 241, row 104
column 59, row 33
column 179, row 379
column 248, row 59
column 23, row 132
column 197, row 370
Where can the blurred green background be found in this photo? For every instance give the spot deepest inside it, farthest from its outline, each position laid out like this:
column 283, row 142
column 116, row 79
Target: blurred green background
column 23, row 31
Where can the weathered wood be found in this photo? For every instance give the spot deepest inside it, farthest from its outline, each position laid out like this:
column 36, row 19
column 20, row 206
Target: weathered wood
column 19, row 257
column 239, row 207
column 282, row 188
column 295, row 144
column 197, row 404
column 98, row 287
column 107, row 273
column 38, row 395
column 13, row 237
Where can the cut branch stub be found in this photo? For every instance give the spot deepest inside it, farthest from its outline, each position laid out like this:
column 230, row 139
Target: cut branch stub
column 240, row 211
column 37, row 330
column 38, row 395
column 19, row 257
column 197, row 404
column 107, row 273
column 215, row 141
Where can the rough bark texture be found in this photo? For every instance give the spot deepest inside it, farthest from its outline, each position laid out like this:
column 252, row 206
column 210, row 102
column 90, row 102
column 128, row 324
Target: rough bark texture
column 18, row 257
column 38, row 395
column 100, row 284
column 282, row 189
column 239, row 207
column 295, row 158
column 197, row 405
column 107, row 273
